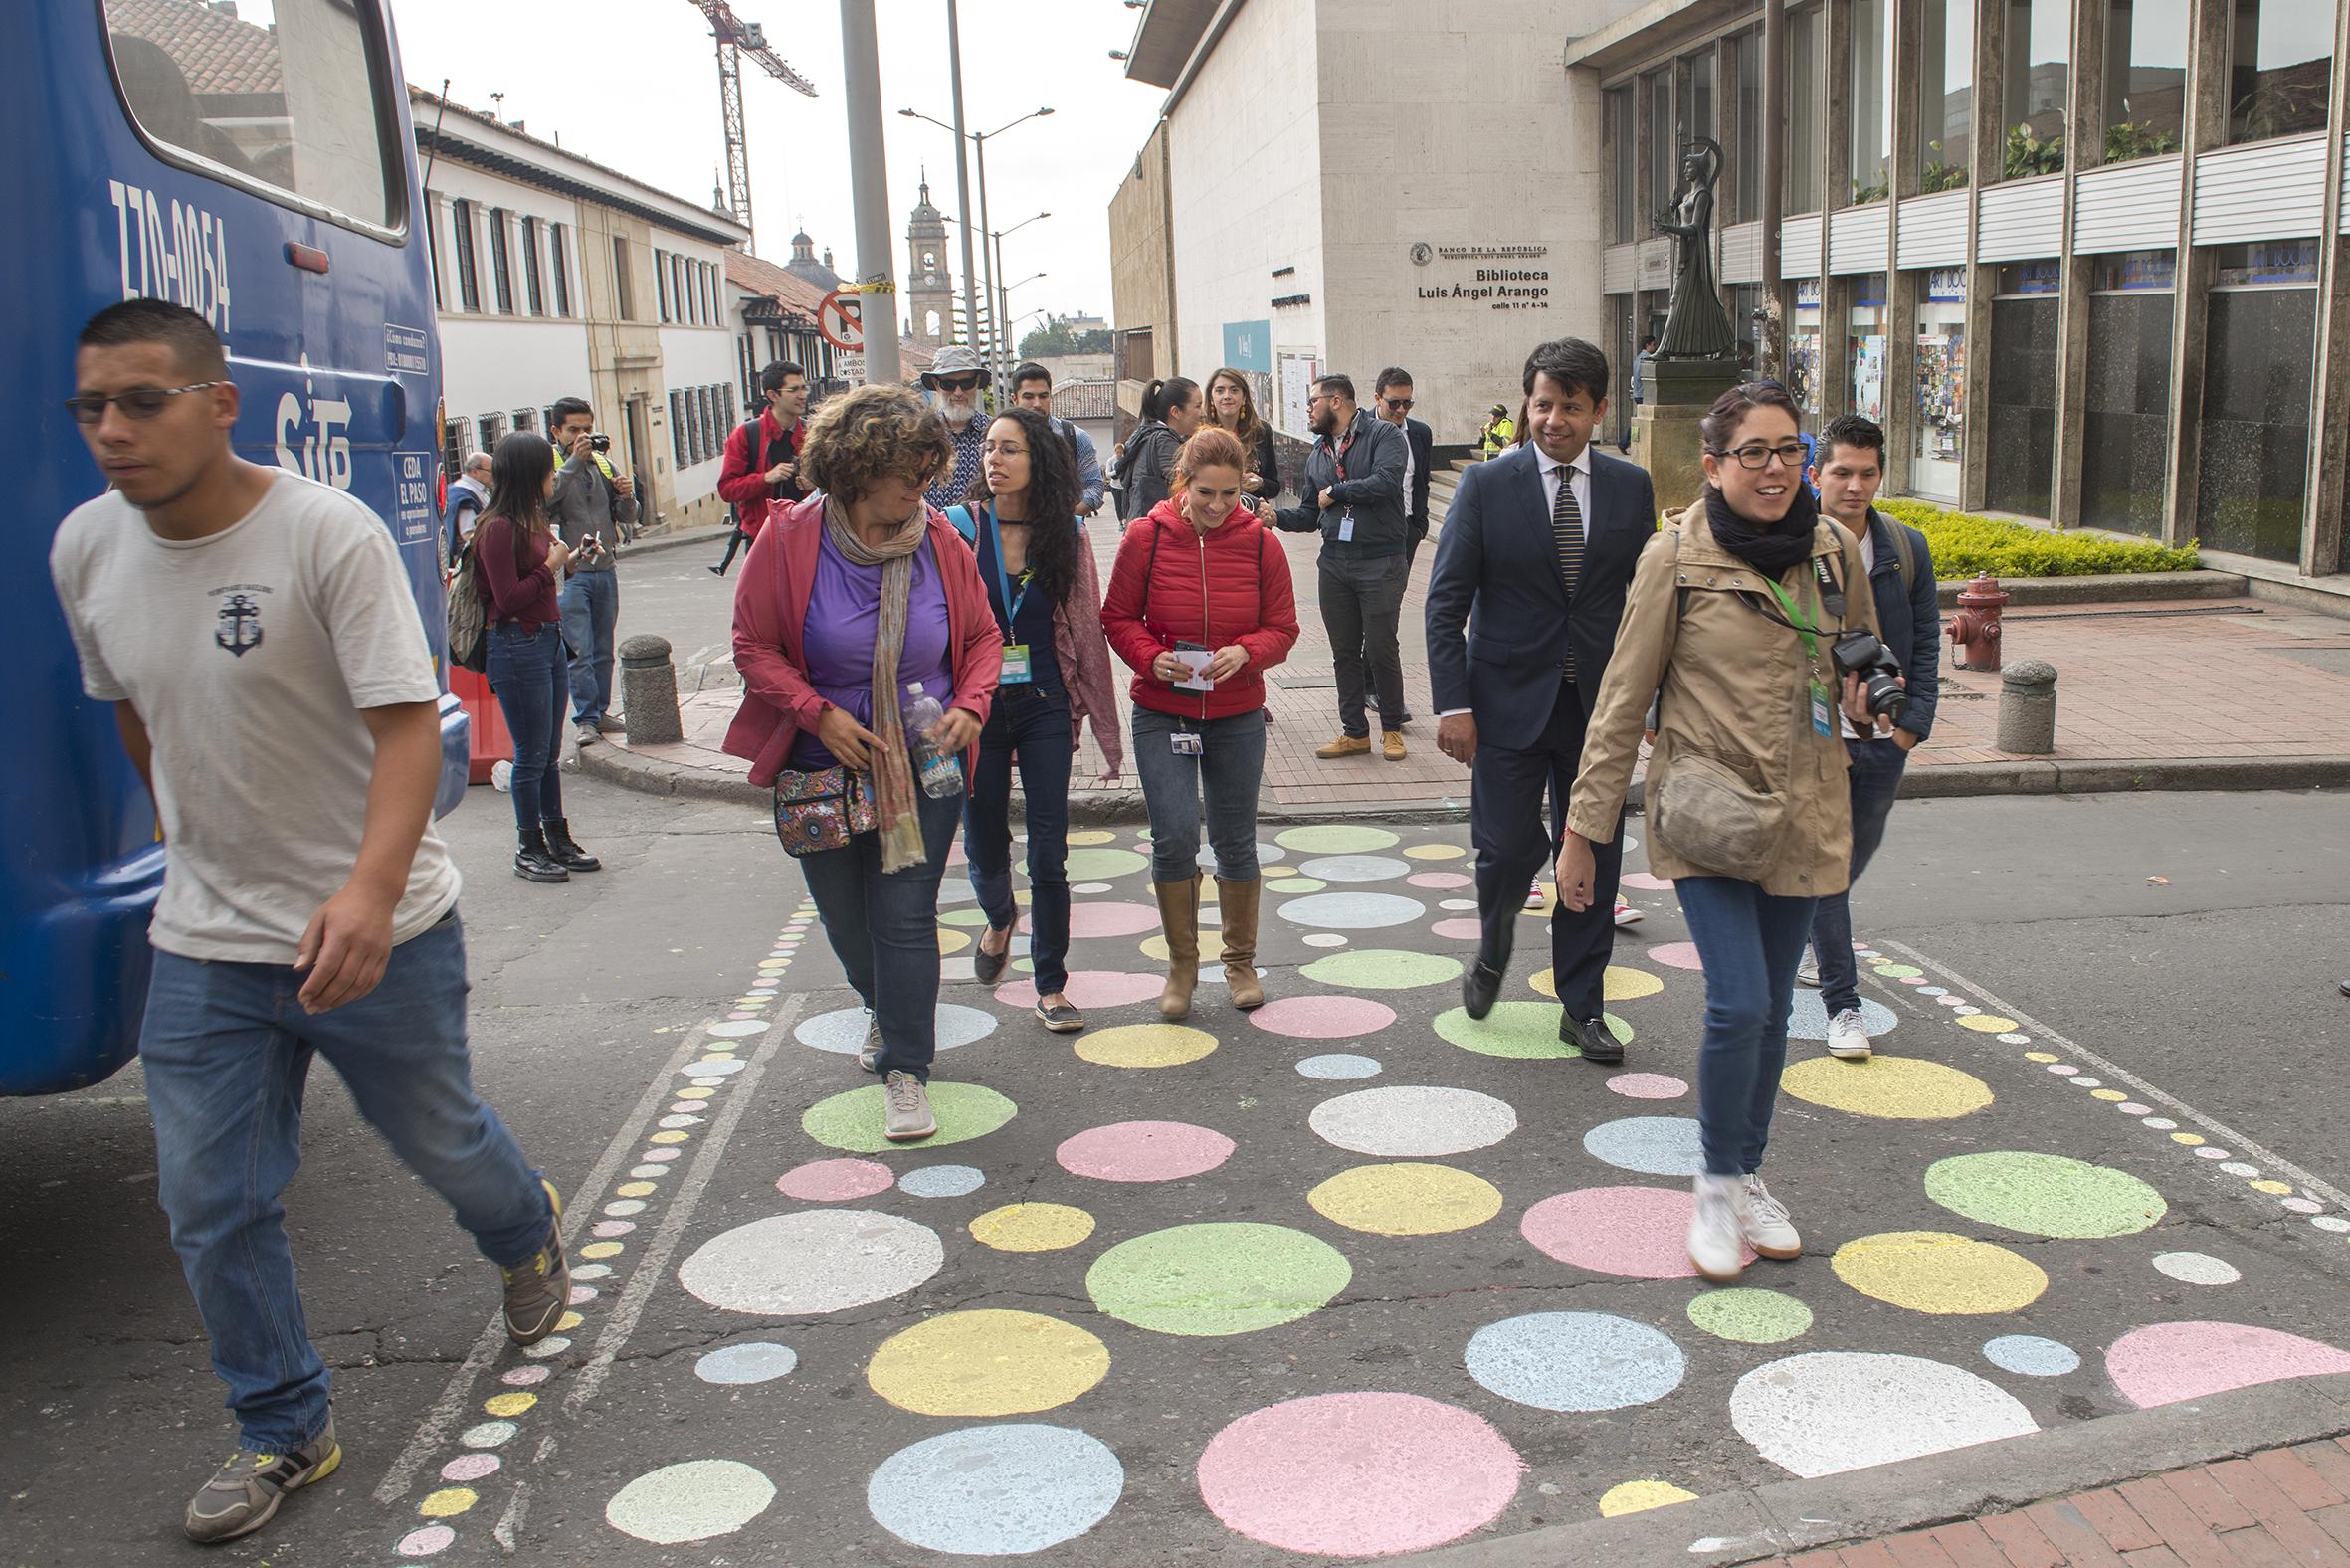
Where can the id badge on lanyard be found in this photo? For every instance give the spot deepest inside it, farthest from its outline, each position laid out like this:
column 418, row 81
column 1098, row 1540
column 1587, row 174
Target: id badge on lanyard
column 1017, row 670
column 1346, row 517
column 1823, row 705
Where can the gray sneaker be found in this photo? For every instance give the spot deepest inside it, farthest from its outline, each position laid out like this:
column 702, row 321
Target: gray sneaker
column 1807, row 973
column 869, row 1055
column 588, row 734
column 538, row 1289
column 245, row 1492
column 907, row 1116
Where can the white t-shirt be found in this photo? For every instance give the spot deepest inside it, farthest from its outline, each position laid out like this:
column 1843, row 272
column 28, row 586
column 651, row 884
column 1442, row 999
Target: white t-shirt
column 1867, row 565
column 249, row 656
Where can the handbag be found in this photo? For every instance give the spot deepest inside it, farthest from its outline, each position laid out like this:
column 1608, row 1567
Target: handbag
column 1708, row 814
column 819, row 808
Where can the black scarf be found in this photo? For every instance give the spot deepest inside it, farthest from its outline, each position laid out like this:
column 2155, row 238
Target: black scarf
column 1770, row 550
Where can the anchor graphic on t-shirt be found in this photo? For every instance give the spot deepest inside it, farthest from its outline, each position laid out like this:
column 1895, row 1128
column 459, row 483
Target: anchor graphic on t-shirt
column 240, row 629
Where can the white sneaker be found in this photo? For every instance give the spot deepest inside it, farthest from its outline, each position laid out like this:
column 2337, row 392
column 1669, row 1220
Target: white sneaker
column 1534, row 899
column 1807, row 973
column 1716, row 1229
column 1764, row 1222
column 1626, row 914
column 905, row 1110
column 1848, row 1041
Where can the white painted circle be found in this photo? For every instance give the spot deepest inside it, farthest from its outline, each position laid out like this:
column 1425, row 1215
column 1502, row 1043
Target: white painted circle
column 673, row 1123
column 817, row 1261
column 1352, row 912
column 1413, row 1122
column 2330, row 1222
column 2160, row 1123
column 1323, row 939
column 718, row 1066
column 1458, row 905
column 2197, row 1268
column 737, row 1028
column 1354, row 868
column 693, row 1501
column 2240, row 1168
column 1826, row 1412
column 622, row 1208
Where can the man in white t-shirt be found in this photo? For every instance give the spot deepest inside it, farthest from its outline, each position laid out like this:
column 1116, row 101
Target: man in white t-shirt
column 259, row 640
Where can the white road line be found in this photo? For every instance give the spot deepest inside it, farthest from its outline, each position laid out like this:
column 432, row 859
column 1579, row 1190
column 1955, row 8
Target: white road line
column 2270, row 1160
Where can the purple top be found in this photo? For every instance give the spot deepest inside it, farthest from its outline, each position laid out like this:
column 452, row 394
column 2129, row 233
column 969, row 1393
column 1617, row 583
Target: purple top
column 845, row 616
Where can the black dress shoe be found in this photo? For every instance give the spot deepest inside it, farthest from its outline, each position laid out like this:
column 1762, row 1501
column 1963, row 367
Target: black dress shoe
column 988, row 967
column 1592, row 1037
column 1479, row 987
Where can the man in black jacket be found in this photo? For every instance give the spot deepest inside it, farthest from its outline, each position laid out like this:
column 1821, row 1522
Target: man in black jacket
column 1391, row 403
column 1353, row 496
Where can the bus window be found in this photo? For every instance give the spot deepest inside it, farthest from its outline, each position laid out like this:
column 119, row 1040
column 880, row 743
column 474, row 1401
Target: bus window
column 276, row 92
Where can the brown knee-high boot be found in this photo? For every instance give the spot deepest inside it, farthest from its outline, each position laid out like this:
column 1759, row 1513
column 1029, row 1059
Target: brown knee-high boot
column 1179, row 918
column 1237, row 903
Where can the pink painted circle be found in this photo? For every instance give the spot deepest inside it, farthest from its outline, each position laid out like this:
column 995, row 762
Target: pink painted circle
column 1322, row 1017
column 469, row 1466
column 836, row 1181
column 605, row 1230
column 1459, row 930
column 1088, row 988
column 525, row 1377
column 2166, row 1363
column 1358, row 1474
column 1109, row 919
column 1633, row 1232
column 1648, row 1085
column 1642, row 881
column 1676, row 955
column 1144, row 1151
column 427, row 1541
column 1440, row 880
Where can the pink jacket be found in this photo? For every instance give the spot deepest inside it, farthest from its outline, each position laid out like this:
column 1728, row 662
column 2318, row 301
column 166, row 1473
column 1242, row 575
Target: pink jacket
column 1083, row 656
column 771, row 611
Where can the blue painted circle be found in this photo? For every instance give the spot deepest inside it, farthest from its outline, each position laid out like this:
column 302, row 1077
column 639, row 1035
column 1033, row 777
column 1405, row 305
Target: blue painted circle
column 842, row 1032
column 754, row 1361
column 1339, row 1065
column 1575, row 1361
column 941, row 1181
column 1809, row 1019
column 997, row 1490
column 1652, row 1145
column 2029, row 1355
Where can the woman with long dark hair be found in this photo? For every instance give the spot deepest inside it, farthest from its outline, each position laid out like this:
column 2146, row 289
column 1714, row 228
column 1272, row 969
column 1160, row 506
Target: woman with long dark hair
column 1729, row 624
column 1045, row 591
column 1232, row 406
column 520, row 564
column 1171, row 409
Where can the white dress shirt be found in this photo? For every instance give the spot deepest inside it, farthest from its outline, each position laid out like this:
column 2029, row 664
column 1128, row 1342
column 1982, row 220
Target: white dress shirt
column 1579, row 476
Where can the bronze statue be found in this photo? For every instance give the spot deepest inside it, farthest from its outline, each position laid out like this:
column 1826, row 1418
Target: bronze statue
column 1696, row 327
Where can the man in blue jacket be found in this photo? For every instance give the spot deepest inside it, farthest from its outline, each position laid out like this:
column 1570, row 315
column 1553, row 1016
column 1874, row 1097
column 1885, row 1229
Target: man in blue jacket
column 1852, row 465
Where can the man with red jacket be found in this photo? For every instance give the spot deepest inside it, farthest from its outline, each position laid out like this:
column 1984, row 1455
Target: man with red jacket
column 754, row 482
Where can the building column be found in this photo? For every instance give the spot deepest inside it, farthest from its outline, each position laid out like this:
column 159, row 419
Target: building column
column 1771, row 342
column 2084, row 145
column 2204, row 127
column 2329, row 416
column 1906, row 18
column 1836, row 191
column 1986, row 162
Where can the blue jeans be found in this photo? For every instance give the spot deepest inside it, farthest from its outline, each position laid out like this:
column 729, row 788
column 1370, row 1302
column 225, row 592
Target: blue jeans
column 530, row 673
column 591, row 611
column 1030, row 727
column 1749, row 943
column 883, row 929
column 1875, row 778
column 1229, row 768
column 227, row 1050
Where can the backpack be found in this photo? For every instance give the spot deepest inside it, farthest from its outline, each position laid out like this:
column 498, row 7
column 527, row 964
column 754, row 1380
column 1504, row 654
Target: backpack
column 469, row 621
column 750, row 439
column 1126, row 456
column 1904, row 551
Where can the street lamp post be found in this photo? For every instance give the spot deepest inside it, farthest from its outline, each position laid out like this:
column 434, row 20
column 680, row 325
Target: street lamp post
column 980, row 139
column 1004, row 294
column 954, row 54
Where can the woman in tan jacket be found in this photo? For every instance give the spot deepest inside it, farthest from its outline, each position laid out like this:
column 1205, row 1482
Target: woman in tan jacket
column 1729, row 624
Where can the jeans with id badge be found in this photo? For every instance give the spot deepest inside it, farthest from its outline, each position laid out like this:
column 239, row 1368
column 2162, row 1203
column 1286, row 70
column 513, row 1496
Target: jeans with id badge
column 1179, row 759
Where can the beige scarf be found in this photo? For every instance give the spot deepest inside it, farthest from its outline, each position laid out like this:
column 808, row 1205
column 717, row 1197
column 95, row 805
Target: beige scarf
column 893, row 780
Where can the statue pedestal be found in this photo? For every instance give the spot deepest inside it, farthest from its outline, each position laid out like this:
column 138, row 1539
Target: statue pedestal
column 1675, row 396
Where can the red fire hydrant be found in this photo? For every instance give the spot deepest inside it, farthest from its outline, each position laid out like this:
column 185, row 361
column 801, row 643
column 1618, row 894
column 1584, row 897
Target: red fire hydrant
column 1975, row 629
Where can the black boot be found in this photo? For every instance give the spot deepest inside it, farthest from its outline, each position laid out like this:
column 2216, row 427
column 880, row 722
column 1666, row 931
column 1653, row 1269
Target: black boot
column 532, row 862
column 564, row 850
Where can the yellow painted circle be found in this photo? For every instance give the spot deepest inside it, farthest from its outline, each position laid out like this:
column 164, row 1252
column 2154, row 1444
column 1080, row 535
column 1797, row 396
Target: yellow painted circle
column 2277, row 1188
column 1211, row 946
column 2040, row 1055
column 636, row 1189
column 448, row 1502
column 1145, row 1046
column 2110, row 1095
column 1936, row 1272
column 1637, row 1497
column 567, row 1322
column 1435, row 852
column 2189, row 1140
column 1621, row 984
column 1092, row 836
column 951, row 940
column 1988, row 1024
column 696, row 1094
column 601, row 1249
column 1895, row 1088
column 1406, row 1199
column 673, row 1135
column 1032, row 1226
column 510, row 1404
column 987, row 1363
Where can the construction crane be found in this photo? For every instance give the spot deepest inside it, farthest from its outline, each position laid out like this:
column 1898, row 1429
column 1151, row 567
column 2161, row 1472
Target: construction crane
column 738, row 38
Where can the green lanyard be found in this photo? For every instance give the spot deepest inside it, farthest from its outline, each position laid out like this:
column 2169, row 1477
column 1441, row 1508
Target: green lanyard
column 1804, row 627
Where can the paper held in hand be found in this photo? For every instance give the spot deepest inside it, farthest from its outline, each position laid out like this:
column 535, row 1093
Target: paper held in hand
column 1198, row 659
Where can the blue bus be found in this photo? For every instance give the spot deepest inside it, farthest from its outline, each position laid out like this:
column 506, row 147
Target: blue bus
column 253, row 161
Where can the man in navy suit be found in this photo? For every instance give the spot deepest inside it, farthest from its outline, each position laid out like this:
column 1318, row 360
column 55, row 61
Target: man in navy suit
column 1530, row 574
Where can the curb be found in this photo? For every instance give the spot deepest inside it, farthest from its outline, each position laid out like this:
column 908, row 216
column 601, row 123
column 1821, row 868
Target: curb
column 1787, row 1518
column 2112, row 588
column 673, row 541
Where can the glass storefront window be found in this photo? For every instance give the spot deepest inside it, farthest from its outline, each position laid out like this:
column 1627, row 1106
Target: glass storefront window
column 1946, row 98
column 1746, row 181
column 1871, row 100
column 1745, row 300
column 2021, row 429
column 1621, row 136
column 1664, row 145
column 1865, row 345
column 1941, row 383
column 2280, row 67
column 1803, row 349
column 2145, row 77
column 1805, row 128
column 1699, row 121
column 2038, row 62
column 2125, row 443
column 2254, row 463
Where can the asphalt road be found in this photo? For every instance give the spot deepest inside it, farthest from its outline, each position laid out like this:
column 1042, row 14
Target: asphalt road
column 2182, row 950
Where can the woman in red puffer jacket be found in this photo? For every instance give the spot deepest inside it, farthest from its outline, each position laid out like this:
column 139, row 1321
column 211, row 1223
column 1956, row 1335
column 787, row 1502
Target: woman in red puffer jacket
column 1200, row 606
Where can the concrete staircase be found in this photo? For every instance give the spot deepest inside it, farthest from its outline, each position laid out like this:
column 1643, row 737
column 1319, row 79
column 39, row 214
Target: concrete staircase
column 1441, row 486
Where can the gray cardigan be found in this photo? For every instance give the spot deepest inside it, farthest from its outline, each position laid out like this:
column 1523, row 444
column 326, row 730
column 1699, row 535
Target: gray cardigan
column 586, row 503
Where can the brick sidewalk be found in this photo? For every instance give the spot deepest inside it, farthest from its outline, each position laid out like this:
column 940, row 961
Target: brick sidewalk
column 2284, row 1506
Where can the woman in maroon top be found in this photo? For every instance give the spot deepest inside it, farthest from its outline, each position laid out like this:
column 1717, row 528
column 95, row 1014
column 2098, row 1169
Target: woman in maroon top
column 519, row 563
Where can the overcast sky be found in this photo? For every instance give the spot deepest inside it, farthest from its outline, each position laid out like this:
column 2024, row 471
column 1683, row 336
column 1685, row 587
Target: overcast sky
column 633, row 83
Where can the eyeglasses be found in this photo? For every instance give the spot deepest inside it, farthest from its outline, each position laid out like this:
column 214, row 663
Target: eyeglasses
column 1790, row 456
column 137, row 403
column 1321, row 397
column 958, row 383
column 1396, row 405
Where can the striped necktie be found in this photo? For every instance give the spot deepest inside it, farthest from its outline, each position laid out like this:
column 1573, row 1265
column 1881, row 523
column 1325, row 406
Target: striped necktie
column 1566, row 534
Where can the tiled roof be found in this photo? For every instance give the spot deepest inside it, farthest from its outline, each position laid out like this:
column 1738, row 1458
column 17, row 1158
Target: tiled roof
column 217, row 52
column 801, row 298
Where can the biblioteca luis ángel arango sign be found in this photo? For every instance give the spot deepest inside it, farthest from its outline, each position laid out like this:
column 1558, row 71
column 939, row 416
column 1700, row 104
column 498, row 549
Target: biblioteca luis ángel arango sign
column 1498, row 276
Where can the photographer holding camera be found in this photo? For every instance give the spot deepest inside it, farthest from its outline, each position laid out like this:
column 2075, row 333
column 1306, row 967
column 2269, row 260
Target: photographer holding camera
column 1852, row 465
column 592, row 500
column 1733, row 623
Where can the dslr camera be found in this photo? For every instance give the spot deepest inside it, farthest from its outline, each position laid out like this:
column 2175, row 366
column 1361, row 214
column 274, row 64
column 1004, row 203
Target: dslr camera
column 1860, row 654
column 599, row 441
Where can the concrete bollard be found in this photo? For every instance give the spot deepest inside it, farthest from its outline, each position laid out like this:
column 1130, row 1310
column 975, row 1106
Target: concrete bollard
column 2028, row 708
column 649, row 692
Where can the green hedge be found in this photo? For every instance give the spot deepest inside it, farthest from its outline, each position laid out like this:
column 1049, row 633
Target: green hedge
column 1965, row 545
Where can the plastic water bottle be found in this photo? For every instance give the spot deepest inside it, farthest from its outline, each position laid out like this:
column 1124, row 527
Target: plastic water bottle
column 941, row 771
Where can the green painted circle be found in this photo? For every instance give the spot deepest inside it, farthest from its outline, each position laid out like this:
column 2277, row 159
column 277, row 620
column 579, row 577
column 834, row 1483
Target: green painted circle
column 1382, row 970
column 1098, row 863
column 962, row 918
column 1216, row 1278
column 1296, row 884
column 1335, row 838
column 1526, row 1031
column 2043, row 1195
column 853, row 1121
column 1751, row 1317
column 1897, row 971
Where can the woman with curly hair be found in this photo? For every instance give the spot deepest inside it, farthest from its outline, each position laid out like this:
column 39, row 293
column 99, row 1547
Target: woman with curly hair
column 852, row 603
column 1045, row 591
